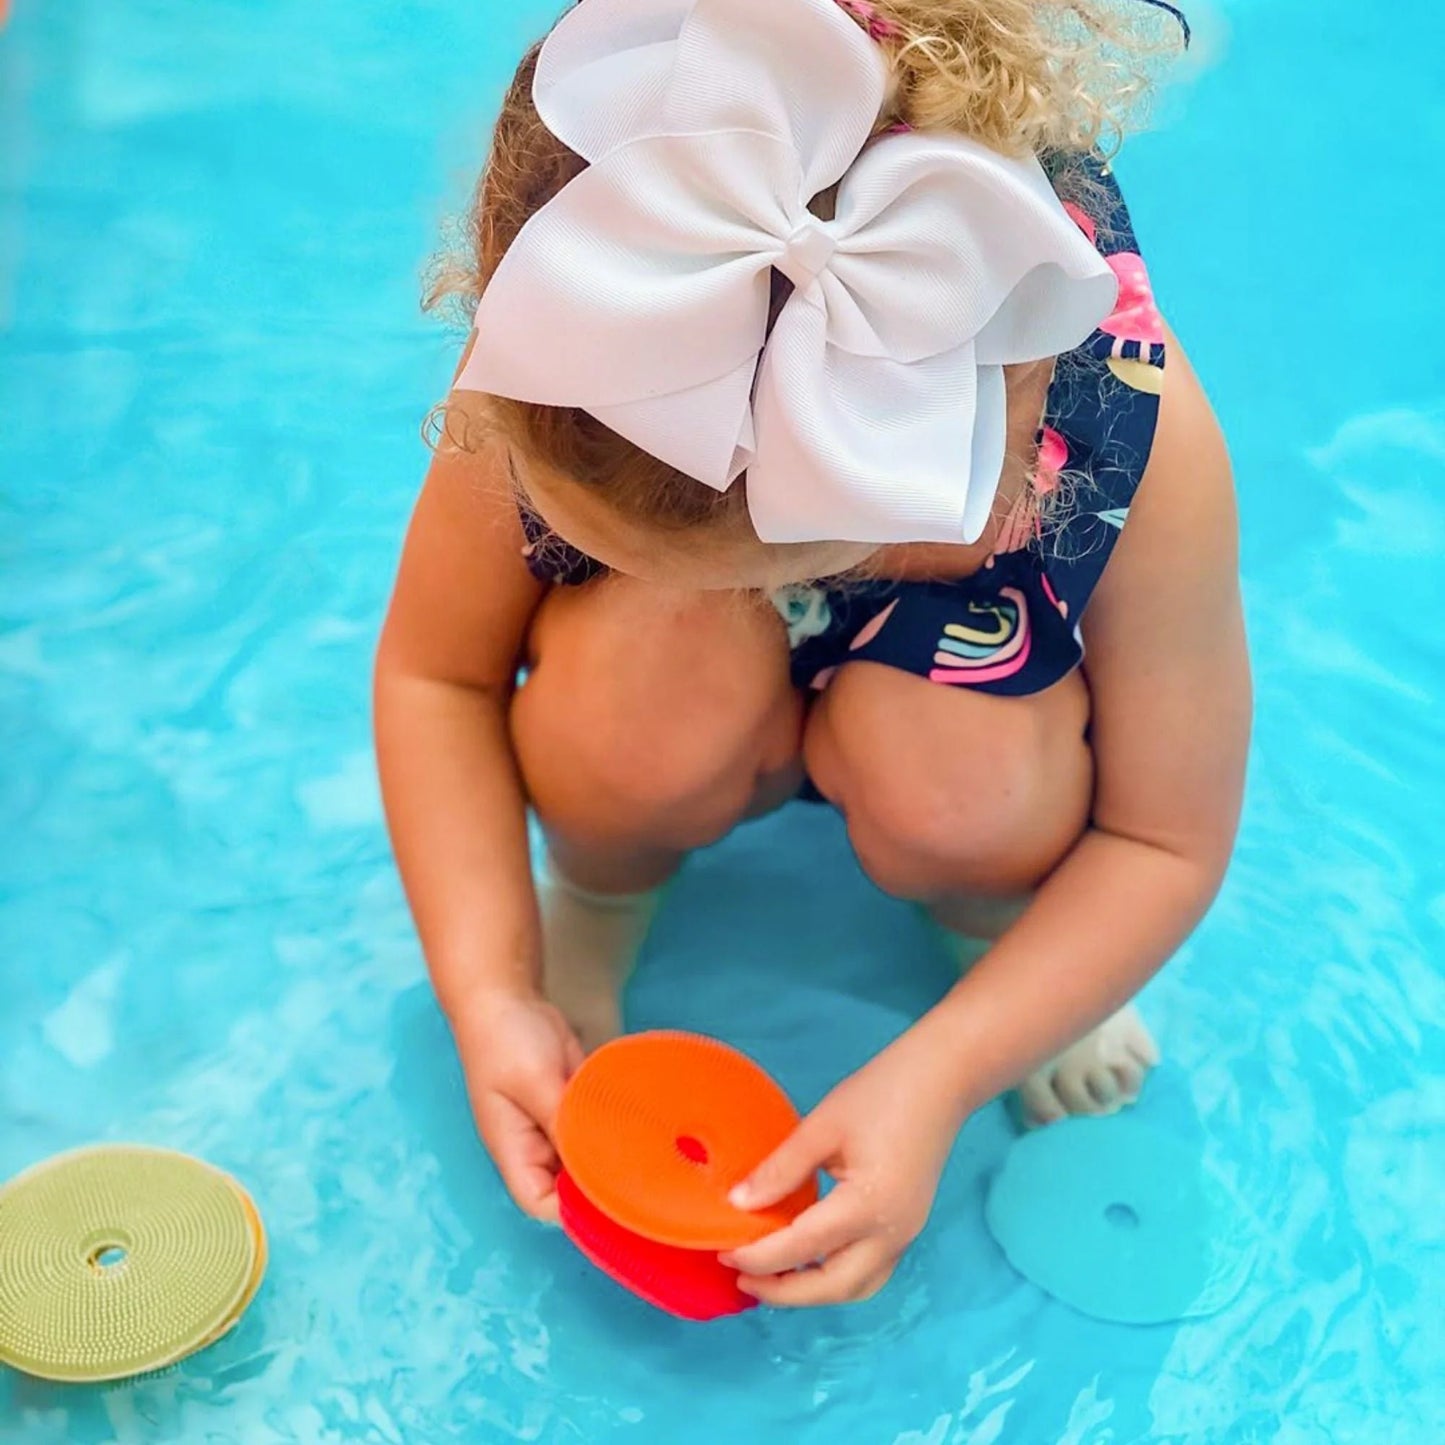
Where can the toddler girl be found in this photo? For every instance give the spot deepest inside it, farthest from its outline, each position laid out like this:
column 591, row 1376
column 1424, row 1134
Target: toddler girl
column 815, row 376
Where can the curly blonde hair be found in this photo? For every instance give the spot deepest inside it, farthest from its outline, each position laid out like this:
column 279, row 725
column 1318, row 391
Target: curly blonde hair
column 1058, row 78
column 1025, row 75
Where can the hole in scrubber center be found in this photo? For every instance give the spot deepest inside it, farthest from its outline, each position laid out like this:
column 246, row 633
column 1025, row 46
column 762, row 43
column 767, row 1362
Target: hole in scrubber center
column 1122, row 1216
column 107, row 1256
column 693, row 1150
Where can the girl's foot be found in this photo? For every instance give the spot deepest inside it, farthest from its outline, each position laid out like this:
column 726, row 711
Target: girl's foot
column 1098, row 1075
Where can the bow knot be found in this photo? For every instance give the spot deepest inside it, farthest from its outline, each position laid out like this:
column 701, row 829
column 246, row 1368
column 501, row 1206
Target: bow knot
column 806, row 252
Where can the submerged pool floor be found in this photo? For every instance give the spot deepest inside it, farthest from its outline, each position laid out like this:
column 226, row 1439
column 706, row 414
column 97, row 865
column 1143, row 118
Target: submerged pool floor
column 211, row 375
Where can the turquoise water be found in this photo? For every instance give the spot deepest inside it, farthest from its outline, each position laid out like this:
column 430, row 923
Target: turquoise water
column 211, row 374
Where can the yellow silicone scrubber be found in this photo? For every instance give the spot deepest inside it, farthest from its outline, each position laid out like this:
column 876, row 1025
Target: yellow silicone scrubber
column 121, row 1259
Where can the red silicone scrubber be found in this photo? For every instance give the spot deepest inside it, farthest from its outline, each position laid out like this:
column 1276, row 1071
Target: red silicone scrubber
column 689, row 1283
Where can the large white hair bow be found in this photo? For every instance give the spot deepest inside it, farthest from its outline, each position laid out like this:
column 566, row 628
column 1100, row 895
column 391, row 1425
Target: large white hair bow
column 875, row 410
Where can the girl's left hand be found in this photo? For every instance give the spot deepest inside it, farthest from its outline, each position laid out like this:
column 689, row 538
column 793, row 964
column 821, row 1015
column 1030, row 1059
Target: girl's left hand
column 884, row 1135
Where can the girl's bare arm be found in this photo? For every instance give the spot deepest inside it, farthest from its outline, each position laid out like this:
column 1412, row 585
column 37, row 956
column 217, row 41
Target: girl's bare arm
column 445, row 672
column 1168, row 672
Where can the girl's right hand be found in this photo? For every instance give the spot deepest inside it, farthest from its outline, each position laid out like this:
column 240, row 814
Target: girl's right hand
column 518, row 1052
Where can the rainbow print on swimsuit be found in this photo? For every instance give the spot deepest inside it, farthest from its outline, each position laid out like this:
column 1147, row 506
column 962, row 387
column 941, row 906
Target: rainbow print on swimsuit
column 992, row 642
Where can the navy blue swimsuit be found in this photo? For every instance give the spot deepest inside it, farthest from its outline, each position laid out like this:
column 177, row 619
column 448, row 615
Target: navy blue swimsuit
column 1012, row 627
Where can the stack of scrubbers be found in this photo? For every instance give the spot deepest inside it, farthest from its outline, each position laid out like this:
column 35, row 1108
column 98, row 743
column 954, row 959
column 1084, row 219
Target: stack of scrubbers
column 653, row 1131
column 119, row 1260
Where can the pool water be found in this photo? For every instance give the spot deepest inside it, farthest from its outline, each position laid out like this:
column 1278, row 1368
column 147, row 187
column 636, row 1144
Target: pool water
column 211, row 374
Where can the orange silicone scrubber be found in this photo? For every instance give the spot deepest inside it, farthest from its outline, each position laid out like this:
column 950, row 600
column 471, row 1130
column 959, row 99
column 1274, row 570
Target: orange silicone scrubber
column 656, row 1128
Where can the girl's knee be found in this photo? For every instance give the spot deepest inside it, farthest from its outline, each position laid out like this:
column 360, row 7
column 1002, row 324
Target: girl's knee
column 942, row 795
column 923, row 833
column 602, row 774
column 638, row 739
